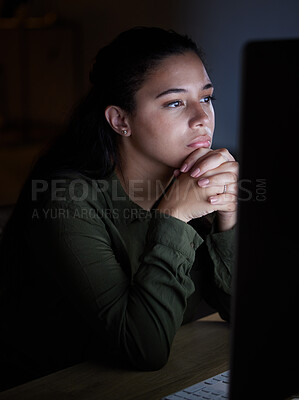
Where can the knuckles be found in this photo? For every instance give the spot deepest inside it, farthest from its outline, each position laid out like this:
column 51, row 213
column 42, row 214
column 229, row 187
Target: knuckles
column 233, row 176
column 197, row 154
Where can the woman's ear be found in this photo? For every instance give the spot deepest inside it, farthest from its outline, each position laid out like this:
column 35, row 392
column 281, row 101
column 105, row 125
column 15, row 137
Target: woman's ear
column 117, row 119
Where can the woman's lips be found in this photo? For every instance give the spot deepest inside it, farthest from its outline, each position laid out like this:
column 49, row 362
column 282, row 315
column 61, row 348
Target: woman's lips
column 201, row 141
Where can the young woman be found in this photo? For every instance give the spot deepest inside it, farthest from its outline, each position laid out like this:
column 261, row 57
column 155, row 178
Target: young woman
column 127, row 222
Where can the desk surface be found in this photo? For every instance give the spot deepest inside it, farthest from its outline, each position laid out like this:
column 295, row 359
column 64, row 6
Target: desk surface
column 200, row 350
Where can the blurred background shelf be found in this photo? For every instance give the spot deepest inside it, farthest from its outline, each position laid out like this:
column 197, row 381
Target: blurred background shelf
column 40, row 80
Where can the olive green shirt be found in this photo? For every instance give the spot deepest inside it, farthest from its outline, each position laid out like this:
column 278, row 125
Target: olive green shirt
column 100, row 277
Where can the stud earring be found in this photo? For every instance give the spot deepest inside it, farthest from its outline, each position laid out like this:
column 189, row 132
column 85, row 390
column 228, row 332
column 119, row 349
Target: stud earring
column 124, row 131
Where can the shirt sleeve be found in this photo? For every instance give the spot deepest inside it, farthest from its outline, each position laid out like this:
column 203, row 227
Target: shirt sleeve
column 139, row 315
column 222, row 250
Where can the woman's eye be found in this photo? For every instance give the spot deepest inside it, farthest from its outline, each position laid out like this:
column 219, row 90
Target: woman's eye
column 207, row 99
column 175, row 104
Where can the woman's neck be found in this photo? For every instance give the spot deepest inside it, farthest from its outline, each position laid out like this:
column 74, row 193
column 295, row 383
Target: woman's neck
column 144, row 184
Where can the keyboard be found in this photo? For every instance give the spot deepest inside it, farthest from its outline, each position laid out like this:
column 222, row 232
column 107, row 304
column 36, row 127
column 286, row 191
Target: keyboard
column 212, row 388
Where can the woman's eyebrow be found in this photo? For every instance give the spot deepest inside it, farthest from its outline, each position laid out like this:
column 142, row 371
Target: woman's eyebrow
column 208, row 86
column 173, row 90
column 178, row 90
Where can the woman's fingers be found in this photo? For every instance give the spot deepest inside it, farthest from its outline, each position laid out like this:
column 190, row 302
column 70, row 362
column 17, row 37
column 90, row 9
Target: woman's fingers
column 192, row 158
column 225, row 182
column 176, row 172
column 221, row 187
column 202, row 160
column 216, row 190
column 224, row 201
column 227, row 200
column 210, row 161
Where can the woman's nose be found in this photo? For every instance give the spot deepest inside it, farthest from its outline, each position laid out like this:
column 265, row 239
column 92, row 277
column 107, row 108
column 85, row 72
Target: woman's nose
column 199, row 117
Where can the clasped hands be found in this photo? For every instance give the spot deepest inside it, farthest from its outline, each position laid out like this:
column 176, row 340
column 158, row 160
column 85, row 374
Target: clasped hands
column 206, row 182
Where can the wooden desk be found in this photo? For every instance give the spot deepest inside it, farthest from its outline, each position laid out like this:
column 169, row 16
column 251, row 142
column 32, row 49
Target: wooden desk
column 200, row 350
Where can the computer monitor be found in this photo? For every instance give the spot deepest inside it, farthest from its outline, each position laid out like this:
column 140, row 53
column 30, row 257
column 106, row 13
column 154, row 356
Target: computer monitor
column 265, row 328
column 264, row 354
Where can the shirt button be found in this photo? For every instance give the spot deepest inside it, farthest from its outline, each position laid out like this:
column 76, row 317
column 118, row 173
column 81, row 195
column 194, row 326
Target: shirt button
column 192, row 245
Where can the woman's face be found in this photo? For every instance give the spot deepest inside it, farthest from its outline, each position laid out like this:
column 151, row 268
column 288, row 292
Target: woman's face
column 174, row 114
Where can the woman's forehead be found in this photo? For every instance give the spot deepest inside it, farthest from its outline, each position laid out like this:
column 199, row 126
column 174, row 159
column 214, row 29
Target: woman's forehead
column 176, row 71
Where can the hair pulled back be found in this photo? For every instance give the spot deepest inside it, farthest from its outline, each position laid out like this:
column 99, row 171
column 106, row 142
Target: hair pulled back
column 89, row 144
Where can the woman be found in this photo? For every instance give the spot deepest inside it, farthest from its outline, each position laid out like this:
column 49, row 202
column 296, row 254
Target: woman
column 109, row 251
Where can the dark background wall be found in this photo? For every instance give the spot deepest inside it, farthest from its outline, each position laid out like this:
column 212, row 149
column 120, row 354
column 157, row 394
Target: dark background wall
column 223, row 27
column 47, row 47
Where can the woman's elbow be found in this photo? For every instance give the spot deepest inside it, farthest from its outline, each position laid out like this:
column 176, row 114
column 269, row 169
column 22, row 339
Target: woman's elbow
column 153, row 363
column 151, row 358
